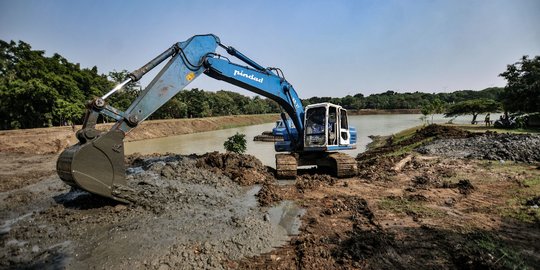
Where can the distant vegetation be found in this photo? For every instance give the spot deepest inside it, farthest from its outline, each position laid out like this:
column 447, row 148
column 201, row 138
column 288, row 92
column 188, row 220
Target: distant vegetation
column 474, row 107
column 38, row 91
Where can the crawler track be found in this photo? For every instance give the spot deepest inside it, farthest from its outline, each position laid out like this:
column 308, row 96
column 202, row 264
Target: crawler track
column 345, row 165
column 341, row 165
column 286, row 165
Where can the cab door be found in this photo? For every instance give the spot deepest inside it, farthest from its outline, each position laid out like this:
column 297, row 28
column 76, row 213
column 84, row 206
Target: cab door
column 344, row 134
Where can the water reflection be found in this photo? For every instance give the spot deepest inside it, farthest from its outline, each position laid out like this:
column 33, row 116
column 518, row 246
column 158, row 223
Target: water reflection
column 287, row 215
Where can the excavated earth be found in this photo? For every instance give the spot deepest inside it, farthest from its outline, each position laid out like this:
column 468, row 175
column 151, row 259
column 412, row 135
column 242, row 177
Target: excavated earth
column 492, row 146
column 408, row 208
column 186, row 212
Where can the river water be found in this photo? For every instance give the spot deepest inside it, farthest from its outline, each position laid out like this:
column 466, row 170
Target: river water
column 200, row 143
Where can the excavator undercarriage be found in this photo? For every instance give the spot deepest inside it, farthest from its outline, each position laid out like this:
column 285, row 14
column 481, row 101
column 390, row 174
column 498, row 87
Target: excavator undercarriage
column 338, row 164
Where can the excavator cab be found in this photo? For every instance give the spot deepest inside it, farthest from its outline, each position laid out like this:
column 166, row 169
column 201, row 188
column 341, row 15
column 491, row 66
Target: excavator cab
column 327, row 128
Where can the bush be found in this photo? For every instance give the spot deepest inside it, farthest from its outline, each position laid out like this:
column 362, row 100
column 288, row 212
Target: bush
column 236, row 143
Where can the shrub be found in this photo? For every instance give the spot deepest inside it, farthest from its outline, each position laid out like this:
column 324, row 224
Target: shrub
column 236, row 143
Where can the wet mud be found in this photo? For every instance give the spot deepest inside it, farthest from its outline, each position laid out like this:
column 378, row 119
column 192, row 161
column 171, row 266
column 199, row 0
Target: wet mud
column 405, row 210
column 185, row 212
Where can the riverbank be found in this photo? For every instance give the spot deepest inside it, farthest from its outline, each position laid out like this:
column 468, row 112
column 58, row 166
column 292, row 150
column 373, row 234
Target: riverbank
column 55, row 139
column 29, row 155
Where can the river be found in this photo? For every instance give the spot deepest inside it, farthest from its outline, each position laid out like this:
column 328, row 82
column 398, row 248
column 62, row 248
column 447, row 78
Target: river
column 200, row 143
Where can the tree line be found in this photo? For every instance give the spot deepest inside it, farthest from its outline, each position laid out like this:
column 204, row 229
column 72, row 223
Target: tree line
column 416, row 100
column 39, row 91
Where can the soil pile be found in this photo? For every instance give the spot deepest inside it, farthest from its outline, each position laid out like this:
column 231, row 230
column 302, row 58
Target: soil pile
column 491, row 146
column 183, row 216
column 314, row 181
column 431, row 132
column 245, row 170
column 269, row 195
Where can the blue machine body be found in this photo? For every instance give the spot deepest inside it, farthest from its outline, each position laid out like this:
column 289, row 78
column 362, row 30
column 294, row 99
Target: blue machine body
column 280, row 129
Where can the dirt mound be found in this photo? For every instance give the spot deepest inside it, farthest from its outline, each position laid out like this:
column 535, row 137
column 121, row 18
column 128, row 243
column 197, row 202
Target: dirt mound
column 313, row 181
column 269, row 195
column 245, row 170
column 379, row 168
column 438, row 132
column 491, row 146
column 422, row 135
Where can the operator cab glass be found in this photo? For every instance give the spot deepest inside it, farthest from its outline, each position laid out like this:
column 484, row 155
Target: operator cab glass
column 315, row 131
column 326, row 127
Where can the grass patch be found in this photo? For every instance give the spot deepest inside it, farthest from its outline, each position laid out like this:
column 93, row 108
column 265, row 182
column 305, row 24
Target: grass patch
column 532, row 182
column 525, row 189
column 489, row 248
column 404, row 134
column 482, row 128
column 408, row 148
column 522, row 206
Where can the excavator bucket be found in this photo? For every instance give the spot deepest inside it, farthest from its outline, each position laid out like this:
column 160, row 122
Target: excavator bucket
column 97, row 165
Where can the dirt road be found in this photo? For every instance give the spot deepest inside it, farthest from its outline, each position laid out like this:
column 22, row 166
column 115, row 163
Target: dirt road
column 404, row 210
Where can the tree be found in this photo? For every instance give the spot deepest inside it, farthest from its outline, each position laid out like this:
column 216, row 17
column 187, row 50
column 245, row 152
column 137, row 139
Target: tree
column 236, row 143
column 522, row 92
column 432, row 108
column 474, row 107
column 37, row 91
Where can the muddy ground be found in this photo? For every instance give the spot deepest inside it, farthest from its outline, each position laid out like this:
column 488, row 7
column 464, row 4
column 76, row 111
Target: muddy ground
column 405, row 210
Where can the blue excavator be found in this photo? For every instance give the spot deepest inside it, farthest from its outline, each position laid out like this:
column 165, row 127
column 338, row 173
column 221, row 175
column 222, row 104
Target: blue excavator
column 96, row 162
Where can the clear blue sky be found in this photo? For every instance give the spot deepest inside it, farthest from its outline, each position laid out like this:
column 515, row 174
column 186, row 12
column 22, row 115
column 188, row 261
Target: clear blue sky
column 325, row 48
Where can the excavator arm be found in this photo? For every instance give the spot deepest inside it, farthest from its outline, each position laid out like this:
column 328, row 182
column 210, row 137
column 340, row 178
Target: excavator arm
column 265, row 83
column 96, row 163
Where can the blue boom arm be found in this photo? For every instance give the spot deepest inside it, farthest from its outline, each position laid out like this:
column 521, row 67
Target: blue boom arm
column 188, row 60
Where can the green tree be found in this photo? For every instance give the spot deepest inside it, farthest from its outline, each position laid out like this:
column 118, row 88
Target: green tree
column 474, row 107
column 236, row 143
column 522, row 92
column 432, row 108
column 37, row 91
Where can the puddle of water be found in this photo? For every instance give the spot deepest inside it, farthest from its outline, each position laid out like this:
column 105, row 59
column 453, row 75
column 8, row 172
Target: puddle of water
column 287, row 215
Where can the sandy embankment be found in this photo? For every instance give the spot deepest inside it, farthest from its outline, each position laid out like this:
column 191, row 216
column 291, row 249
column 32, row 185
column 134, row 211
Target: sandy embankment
column 55, row 139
